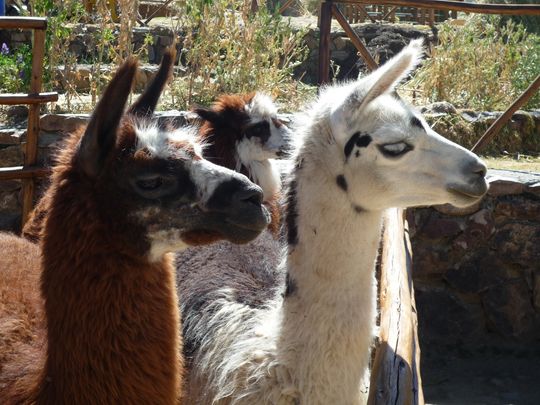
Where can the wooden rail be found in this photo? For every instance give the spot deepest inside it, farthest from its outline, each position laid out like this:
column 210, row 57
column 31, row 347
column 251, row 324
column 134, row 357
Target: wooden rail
column 29, row 172
column 14, row 99
column 481, row 8
column 395, row 374
column 503, row 119
column 25, row 23
column 21, row 172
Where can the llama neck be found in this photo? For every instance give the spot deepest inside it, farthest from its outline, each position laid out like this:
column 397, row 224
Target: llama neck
column 329, row 306
column 264, row 173
column 112, row 318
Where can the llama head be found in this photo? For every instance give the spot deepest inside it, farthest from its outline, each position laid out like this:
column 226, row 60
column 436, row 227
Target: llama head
column 244, row 134
column 388, row 155
column 155, row 183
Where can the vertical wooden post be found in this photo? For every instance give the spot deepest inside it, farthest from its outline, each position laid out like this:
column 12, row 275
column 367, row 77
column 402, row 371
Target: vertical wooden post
column 30, row 158
column 325, row 23
column 431, row 17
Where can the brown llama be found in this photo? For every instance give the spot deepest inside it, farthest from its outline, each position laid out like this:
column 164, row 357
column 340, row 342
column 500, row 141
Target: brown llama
column 240, row 132
column 123, row 193
column 243, row 132
column 144, row 106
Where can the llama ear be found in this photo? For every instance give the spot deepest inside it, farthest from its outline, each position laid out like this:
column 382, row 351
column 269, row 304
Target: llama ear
column 385, row 79
column 208, row 114
column 100, row 135
column 146, row 103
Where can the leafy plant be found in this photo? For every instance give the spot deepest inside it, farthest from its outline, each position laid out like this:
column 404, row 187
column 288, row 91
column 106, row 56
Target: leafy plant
column 230, row 49
column 15, row 69
column 483, row 65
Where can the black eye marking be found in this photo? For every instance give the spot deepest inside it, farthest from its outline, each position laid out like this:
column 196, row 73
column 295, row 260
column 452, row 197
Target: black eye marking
column 358, row 209
column 290, row 286
column 350, row 144
column 259, row 130
column 357, row 139
column 415, row 122
column 357, row 153
column 342, row 182
column 363, row 141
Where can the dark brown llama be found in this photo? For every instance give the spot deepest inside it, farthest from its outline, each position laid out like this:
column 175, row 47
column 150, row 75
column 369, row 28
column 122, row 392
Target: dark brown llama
column 240, row 132
column 243, row 132
column 144, row 106
column 123, row 193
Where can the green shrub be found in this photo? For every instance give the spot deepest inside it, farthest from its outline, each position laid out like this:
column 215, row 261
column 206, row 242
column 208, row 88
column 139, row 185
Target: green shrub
column 15, row 69
column 228, row 49
column 483, row 65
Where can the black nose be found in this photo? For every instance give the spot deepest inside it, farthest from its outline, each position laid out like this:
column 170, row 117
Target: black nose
column 235, row 194
column 252, row 195
column 478, row 168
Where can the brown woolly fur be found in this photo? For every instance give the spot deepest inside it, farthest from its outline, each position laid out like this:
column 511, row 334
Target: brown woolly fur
column 22, row 328
column 111, row 315
column 143, row 106
column 223, row 126
column 123, row 194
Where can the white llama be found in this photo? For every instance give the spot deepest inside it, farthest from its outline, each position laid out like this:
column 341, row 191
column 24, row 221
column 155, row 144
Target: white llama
column 363, row 150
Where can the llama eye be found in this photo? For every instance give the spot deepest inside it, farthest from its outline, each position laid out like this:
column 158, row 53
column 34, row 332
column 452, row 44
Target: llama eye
column 150, row 184
column 395, row 149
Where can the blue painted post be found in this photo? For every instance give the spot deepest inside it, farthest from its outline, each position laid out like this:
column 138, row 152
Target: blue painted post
column 2, row 7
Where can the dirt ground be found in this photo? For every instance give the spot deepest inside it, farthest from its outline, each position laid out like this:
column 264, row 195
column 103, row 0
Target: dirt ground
column 483, row 375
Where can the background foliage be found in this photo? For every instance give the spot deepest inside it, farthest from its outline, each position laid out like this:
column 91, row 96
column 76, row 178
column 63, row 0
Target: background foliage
column 482, row 65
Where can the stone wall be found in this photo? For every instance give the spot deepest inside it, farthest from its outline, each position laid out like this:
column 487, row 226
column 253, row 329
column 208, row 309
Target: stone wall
column 520, row 135
column 477, row 277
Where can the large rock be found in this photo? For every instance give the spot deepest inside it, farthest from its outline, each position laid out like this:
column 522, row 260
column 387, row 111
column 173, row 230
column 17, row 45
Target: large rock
column 509, row 310
column 443, row 316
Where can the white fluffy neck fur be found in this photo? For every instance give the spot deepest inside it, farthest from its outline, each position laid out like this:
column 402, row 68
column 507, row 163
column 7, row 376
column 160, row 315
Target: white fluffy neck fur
column 261, row 169
column 266, row 175
column 327, row 321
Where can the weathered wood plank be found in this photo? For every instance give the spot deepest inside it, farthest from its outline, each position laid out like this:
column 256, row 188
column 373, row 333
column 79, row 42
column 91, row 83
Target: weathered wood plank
column 27, row 23
column 325, row 22
column 20, row 98
column 20, row 172
column 395, row 375
column 482, row 8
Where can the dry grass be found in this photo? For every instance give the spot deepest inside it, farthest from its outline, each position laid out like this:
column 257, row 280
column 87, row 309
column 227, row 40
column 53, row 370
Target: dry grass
column 229, row 49
column 484, row 64
column 514, row 162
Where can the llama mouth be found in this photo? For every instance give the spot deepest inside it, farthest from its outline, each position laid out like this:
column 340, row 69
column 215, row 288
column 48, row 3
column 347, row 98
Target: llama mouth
column 467, row 195
column 251, row 221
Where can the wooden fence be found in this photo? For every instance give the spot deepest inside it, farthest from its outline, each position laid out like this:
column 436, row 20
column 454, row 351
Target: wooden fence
column 29, row 171
column 359, row 13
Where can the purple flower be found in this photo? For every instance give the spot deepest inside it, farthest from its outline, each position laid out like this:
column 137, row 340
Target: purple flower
column 5, row 49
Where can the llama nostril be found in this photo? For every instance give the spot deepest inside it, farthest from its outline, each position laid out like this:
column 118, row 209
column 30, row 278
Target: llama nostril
column 478, row 168
column 481, row 170
column 251, row 195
